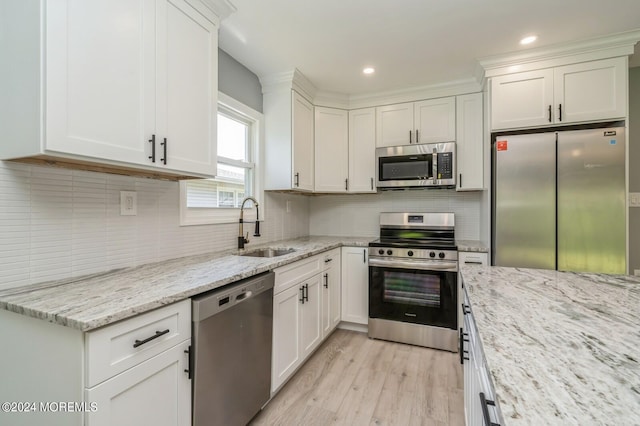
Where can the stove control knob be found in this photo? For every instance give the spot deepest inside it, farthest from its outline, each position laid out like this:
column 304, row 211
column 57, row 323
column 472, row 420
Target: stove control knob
column 432, row 254
column 441, row 255
column 410, row 253
column 389, row 252
column 380, row 252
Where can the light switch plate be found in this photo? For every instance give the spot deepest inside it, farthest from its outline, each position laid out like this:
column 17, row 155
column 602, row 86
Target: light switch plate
column 128, row 203
column 634, row 199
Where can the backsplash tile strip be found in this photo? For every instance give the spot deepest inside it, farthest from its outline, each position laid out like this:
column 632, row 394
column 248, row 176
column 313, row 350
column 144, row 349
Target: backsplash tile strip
column 358, row 215
column 57, row 223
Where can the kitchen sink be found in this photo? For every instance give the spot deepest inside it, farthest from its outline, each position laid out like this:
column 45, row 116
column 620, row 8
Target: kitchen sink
column 268, row 252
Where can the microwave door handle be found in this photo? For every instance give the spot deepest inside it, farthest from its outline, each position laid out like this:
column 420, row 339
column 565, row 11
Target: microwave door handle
column 434, row 165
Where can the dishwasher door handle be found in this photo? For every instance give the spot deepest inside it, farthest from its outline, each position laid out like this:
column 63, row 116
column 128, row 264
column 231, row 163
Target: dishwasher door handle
column 243, row 296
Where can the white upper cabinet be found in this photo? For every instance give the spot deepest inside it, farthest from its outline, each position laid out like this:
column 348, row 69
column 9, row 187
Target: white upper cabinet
column 591, row 91
column 362, row 150
column 588, row 91
column 187, row 88
column 394, row 125
column 469, row 144
column 289, row 133
column 100, row 91
column 302, row 129
column 433, row 120
column 331, row 150
column 522, row 100
column 126, row 83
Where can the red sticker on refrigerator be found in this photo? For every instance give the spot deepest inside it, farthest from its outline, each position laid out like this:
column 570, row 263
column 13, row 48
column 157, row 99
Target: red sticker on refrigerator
column 501, row 145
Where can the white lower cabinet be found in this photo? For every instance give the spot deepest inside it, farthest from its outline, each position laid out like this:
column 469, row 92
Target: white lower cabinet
column 477, row 383
column 468, row 258
column 156, row 392
column 304, row 305
column 286, row 355
column 132, row 372
column 355, row 285
column 310, row 326
column 331, row 292
column 138, row 369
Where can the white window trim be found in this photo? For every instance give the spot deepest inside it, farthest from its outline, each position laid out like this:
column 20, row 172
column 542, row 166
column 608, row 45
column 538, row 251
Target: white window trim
column 208, row 216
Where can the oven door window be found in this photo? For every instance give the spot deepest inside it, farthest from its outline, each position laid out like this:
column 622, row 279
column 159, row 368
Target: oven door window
column 411, row 289
column 415, row 296
column 406, row 167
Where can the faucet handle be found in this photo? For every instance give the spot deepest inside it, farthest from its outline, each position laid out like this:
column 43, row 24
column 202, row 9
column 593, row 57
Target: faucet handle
column 246, row 240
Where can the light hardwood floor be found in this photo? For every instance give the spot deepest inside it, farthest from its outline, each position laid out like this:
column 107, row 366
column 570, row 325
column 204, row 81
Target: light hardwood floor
column 354, row 380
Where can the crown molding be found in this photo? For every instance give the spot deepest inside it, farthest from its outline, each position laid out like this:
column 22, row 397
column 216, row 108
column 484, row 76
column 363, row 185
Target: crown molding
column 331, row 100
column 411, row 94
column 215, row 10
column 296, row 80
column 288, row 80
column 621, row 44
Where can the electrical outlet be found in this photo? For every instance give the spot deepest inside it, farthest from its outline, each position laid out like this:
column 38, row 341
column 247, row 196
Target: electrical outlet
column 128, row 203
column 634, row 199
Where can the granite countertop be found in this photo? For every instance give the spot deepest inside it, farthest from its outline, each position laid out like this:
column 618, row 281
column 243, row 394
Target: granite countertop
column 89, row 302
column 472, row 246
column 562, row 348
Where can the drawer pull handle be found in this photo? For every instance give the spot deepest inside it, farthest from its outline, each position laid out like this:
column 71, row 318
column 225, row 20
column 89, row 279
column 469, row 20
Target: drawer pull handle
column 466, row 309
column 484, row 403
column 463, row 354
column 148, row 339
column 472, row 262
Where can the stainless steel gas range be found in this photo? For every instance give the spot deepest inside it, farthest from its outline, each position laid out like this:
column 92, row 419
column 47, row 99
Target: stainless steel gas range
column 413, row 280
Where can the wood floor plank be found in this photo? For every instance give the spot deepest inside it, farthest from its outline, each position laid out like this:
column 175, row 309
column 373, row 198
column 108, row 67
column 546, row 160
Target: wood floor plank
column 354, row 380
column 360, row 401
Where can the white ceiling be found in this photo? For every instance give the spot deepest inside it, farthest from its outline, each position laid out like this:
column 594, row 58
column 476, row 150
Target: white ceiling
column 411, row 43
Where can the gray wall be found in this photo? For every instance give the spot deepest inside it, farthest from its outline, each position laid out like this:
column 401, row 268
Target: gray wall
column 634, row 166
column 237, row 81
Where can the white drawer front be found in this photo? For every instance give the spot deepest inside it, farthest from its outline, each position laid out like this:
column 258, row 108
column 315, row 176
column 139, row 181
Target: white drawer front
column 473, row 258
column 329, row 258
column 110, row 350
column 291, row 274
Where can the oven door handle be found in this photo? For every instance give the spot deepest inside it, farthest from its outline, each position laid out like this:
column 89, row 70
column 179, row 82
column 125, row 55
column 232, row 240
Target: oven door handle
column 414, row 264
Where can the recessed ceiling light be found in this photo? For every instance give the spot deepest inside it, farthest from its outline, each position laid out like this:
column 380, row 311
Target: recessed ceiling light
column 369, row 70
column 529, row 39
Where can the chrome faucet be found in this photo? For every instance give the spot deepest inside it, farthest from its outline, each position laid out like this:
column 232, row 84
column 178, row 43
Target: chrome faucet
column 241, row 238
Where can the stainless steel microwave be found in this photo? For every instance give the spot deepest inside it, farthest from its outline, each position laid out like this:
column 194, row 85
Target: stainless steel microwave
column 416, row 166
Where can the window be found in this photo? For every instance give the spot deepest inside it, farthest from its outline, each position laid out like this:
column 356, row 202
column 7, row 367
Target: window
column 205, row 201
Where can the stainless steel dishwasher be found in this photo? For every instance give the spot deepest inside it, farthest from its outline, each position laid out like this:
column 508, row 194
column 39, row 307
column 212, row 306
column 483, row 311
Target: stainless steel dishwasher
column 232, row 329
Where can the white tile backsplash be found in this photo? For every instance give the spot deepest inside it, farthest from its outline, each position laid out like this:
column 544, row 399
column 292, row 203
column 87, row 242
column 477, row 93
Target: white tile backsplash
column 358, row 215
column 58, row 223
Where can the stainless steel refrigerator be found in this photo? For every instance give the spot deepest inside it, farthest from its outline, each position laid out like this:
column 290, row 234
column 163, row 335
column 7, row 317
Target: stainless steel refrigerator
column 559, row 200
